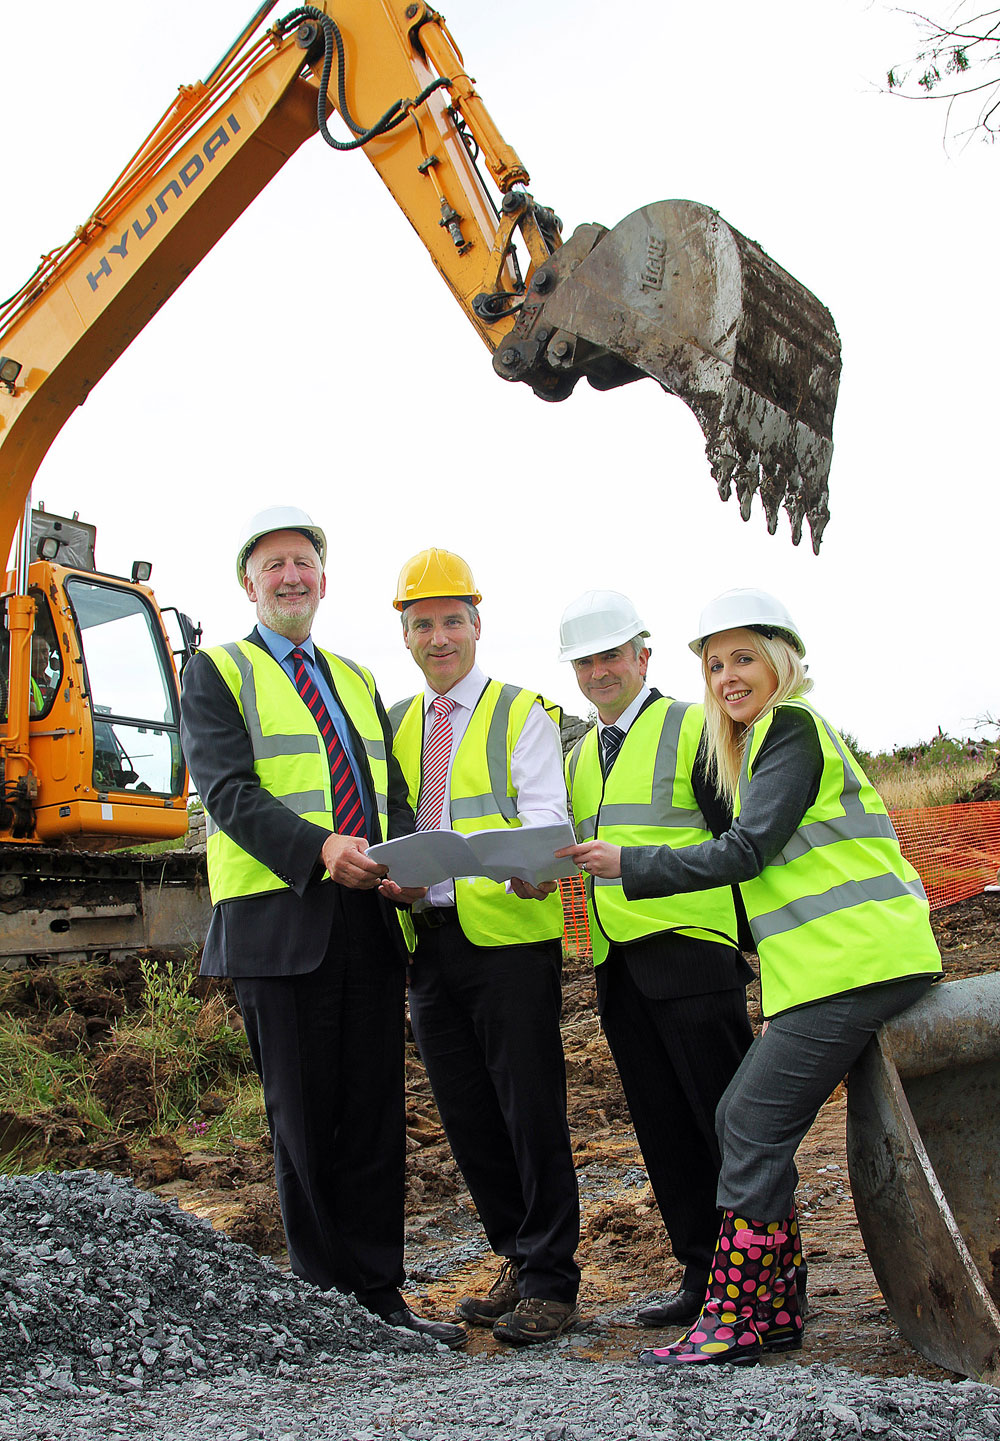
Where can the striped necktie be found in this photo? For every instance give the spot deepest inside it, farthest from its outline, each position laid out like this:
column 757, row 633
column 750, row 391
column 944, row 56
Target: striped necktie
column 611, row 744
column 348, row 812
column 437, row 754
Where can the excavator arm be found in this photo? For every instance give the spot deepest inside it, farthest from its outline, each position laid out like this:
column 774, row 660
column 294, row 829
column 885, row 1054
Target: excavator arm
column 672, row 292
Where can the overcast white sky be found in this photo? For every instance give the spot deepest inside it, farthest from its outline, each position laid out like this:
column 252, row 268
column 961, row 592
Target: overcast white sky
column 316, row 357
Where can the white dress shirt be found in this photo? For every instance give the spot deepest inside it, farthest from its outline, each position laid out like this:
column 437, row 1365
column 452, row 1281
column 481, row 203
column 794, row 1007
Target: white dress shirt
column 536, row 764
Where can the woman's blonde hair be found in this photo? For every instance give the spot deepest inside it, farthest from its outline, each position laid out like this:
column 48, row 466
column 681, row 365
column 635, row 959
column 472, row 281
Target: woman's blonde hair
column 724, row 741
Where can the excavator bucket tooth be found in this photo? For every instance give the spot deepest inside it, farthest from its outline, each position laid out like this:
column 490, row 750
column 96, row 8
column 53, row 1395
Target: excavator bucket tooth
column 675, row 293
column 923, row 1150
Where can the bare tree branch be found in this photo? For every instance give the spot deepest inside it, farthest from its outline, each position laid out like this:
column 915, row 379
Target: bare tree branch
column 948, row 53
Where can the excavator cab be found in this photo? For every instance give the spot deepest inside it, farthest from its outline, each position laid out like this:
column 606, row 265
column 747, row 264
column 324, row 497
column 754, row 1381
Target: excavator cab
column 103, row 730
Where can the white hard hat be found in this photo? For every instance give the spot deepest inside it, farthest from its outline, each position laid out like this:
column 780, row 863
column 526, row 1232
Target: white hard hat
column 276, row 517
column 597, row 620
column 749, row 609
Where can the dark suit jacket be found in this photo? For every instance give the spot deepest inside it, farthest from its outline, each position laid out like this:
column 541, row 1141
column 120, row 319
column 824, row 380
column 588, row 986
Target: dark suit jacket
column 672, row 964
column 285, row 932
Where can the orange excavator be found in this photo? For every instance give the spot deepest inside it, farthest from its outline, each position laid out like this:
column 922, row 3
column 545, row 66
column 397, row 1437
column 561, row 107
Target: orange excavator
column 89, row 748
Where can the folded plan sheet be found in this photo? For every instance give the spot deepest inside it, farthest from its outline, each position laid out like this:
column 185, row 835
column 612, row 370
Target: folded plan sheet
column 427, row 857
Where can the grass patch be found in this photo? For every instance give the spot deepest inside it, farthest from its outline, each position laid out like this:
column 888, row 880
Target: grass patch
column 244, row 1119
column 115, row 1054
column 191, row 1045
column 938, row 772
column 34, row 1080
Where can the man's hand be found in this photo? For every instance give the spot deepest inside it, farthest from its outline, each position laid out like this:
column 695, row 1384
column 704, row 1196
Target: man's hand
column 532, row 893
column 401, row 895
column 345, row 859
column 597, row 858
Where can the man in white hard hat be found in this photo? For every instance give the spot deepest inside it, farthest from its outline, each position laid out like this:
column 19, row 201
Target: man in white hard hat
column 485, row 987
column 671, row 978
column 291, row 752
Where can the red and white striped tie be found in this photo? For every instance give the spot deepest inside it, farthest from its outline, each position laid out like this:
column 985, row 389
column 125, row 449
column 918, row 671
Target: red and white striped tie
column 437, row 754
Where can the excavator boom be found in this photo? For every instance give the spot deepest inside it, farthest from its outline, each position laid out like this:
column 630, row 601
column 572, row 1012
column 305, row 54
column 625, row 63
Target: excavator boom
column 672, row 292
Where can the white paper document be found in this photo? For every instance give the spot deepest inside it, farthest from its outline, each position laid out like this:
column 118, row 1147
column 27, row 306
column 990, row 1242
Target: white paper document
column 427, row 857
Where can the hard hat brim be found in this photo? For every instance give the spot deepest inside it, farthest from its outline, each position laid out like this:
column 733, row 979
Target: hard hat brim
column 473, row 599
column 313, row 534
column 608, row 642
column 698, row 644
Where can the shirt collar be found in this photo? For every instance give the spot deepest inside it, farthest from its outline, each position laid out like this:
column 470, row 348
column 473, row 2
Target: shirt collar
column 465, row 692
column 281, row 647
column 628, row 715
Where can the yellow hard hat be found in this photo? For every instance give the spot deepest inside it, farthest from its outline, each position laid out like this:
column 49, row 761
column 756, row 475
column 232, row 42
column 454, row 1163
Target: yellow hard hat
column 432, row 573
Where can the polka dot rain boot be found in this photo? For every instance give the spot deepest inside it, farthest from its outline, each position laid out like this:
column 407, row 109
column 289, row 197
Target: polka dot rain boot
column 778, row 1319
column 740, row 1282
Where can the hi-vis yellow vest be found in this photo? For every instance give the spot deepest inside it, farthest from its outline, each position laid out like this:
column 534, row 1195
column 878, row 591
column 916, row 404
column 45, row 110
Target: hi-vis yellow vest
column 646, row 800
column 482, row 798
column 840, row 907
column 290, row 757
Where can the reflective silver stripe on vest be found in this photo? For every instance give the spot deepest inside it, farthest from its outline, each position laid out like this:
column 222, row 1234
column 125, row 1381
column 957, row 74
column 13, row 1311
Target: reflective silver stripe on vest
column 651, row 815
column 855, row 824
column 397, row 712
column 210, row 827
column 574, row 760
column 264, row 747
column 659, row 813
column 665, row 764
column 471, row 808
column 358, row 670
column 375, row 750
column 496, row 762
column 585, row 829
column 838, row 898
column 302, row 802
column 828, row 833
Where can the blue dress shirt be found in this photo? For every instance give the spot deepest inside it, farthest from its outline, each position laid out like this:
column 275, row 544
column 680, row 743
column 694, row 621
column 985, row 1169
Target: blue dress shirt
column 281, row 648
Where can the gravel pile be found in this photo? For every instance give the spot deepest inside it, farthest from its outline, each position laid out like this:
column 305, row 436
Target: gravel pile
column 107, row 1286
column 124, row 1317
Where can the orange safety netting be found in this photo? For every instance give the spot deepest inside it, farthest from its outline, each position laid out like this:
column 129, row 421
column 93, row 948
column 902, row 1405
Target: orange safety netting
column 955, row 851
column 576, row 935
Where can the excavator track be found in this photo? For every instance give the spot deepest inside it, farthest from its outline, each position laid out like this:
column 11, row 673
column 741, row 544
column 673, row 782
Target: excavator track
column 60, row 905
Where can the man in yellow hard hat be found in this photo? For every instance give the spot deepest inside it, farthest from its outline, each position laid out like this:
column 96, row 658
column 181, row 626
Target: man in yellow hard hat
column 291, row 752
column 485, row 983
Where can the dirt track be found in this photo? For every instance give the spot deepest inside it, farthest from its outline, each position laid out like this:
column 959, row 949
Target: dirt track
column 624, row 1252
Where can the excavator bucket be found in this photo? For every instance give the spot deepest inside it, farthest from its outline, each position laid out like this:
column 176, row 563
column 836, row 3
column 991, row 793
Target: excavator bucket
column 923, row 1148
column 675, row 293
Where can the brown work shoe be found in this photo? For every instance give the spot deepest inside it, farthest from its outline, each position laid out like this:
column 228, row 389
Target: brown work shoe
column 534, row 1319
column 502, row 1297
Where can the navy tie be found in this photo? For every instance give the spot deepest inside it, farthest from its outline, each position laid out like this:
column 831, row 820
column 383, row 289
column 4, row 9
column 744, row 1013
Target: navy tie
column 611, row 744
column 348, row 812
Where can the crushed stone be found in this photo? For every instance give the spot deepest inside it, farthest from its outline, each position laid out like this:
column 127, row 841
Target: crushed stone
column 123, row 1316
column 108, row 1286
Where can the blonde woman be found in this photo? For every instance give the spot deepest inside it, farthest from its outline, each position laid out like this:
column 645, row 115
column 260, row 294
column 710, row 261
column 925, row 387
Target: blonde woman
column 840, row 921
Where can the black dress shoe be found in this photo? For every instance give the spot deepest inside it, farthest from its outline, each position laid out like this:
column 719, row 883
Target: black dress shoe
column 674, row 1310
column 444, row 1331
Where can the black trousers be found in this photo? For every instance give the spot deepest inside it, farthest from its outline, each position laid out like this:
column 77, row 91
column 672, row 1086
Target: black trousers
column 328, row 1046
column 486, row 1021
column 675, row 1058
